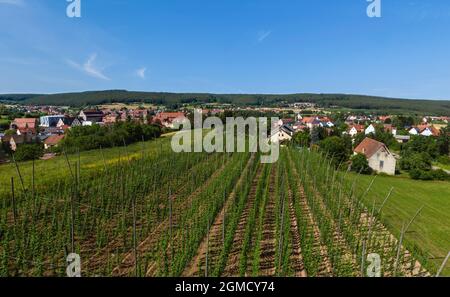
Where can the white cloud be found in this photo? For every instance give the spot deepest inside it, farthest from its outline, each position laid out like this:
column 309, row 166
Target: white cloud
column 13, row 2
column 141, row 72
column 262, row 35
column 89, row 68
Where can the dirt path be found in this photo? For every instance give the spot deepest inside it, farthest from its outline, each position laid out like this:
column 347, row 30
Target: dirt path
column 296, row 257
column 268, row 242
column 213, row 243
column 232, row 266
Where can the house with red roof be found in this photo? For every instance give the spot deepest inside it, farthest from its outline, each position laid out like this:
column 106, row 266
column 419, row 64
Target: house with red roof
column 25, row 126
column 53, row 141
column 167, row 119
column 378, row 155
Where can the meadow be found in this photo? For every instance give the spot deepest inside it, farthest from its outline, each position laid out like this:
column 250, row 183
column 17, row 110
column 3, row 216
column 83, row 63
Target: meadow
column 430, row 232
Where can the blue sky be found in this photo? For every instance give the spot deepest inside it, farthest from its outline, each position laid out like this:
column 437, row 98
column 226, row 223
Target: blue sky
column 227, row 46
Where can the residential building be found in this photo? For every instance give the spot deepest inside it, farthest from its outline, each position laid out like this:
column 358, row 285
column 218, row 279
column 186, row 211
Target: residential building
column 94, row 116
column 50, row 120
column 370, row 129
column 53, row 141
column 283, row 133
column 378, row 155
column 167, row 119
column 355, row 129
column 25, row 126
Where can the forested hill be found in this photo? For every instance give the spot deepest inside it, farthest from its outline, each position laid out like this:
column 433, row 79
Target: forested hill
column 441, row 107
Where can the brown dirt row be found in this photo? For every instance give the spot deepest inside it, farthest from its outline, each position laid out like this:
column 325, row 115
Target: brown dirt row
column 232, row 266
column 296, row 257
column 213, row 243
column 268, row 241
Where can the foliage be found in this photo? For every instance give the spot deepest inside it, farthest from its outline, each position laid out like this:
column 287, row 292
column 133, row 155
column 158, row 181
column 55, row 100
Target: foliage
column 360, row 164
column 318, row 134
column 96, row 136
column 443, row 142
column 26, row 152
column 418, row 161
column 336, row 148
column 172, row 99
column 302, row 138
column 420, row 144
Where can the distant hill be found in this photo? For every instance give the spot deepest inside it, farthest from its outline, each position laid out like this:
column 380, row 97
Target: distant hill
column 381, row 104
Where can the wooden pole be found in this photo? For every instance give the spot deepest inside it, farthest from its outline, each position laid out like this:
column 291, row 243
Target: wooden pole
column 443, row 265
column 207, row 251
column 13, row 201
column 135, row 238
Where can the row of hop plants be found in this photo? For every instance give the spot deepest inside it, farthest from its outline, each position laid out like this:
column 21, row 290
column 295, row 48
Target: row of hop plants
column 84, row 213
column 253, row 223
column 322, row 181
column 362, row 235
column 283, row 248
column 312, row 257
column 194, row 223
column 256, row 257
column 233, row 214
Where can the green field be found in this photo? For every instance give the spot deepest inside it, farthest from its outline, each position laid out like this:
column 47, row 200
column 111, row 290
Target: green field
column 431, row 230
column 91, row 161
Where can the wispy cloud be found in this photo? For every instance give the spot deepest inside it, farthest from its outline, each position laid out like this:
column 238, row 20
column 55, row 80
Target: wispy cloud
column 262, row 35
column 13, row 2
column 89, row 68
column 141, row 72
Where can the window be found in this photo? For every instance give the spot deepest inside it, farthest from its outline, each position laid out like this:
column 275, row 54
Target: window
column 381, row 164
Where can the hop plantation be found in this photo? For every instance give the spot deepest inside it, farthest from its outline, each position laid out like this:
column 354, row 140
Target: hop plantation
column 144, row 210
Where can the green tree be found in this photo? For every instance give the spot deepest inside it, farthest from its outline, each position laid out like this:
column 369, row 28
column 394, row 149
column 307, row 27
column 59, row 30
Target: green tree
column 302, row 139
column 360, row 164
column 26, row 152
column 336, row 148
column 318, row 134
column 443, row 142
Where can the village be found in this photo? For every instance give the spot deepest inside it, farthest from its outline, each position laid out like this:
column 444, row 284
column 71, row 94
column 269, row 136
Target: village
column 301, row 124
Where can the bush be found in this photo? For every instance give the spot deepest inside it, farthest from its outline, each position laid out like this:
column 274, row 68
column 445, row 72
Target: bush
column 440, row 175
column 415, row 174
column 445, row 160
column 418, row 174
column 420, row 161
column 26, row 152
column 360, row 164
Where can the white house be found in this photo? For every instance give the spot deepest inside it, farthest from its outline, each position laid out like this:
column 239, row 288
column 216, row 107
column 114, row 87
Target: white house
column 281, row 134
column 413, row 131
column 370, row 129
column 426, row 132
column 378, row 155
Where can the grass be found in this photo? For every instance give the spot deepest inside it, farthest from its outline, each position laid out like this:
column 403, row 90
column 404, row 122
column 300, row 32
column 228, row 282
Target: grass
column 431, row 230
column 91, row 161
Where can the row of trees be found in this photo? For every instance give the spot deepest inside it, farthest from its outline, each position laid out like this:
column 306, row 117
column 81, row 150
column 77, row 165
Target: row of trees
column 418, row 155
column 94, row 137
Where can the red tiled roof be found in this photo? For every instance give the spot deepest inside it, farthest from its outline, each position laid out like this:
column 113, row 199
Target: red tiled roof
column 22, row 123
column 369, row 147
column 358, row 128
column 308, row 120
column 53, row 139
column 167, row 116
